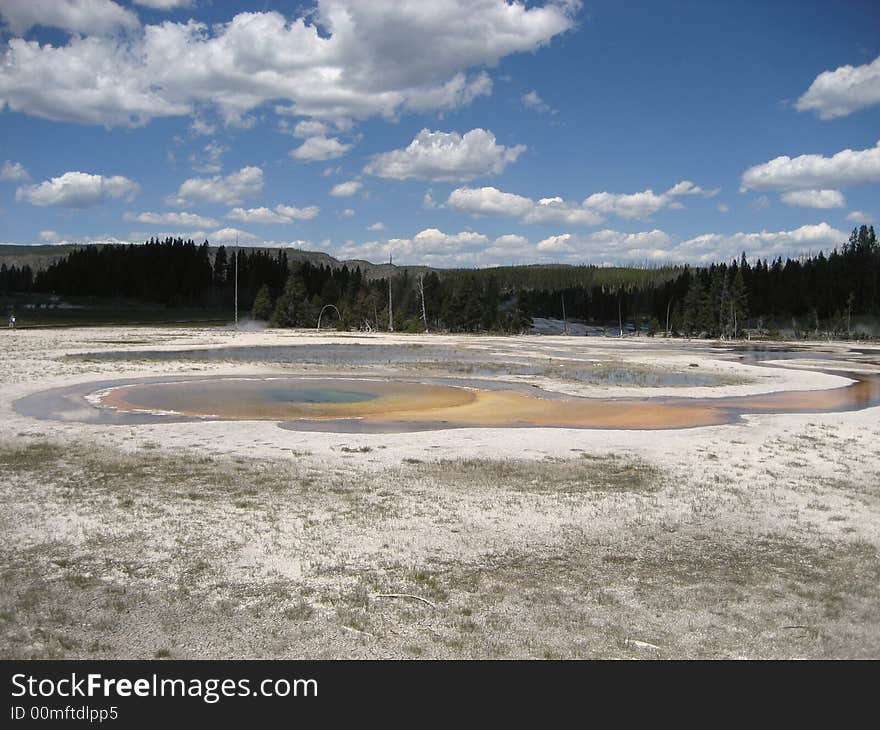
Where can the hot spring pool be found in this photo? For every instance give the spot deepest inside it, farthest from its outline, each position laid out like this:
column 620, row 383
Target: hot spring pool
column 348, row 404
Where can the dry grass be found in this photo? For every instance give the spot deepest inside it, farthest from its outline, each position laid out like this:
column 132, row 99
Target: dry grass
column 144, row 555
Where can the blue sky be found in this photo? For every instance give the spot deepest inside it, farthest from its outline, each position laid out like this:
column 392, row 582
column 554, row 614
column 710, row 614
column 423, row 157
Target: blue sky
column 452, row 133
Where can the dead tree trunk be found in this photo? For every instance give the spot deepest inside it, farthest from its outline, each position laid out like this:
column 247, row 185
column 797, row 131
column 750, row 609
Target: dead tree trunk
column 422, row 298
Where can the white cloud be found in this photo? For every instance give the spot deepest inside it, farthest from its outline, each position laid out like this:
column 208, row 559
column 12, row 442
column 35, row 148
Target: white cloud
column 557, row 244
column 50, row 236
column 459, row 91
column 13, row 172
column 346, row 189
column 182, row 219
column 469, row 248
column 378, row 226
column 644, row 204
column 858, row 216
column 228, row 190
column 533, row 101
column 74, row 16
column 78, row 190
column 230, row 236
column 368, row 59
column 511, row 239
column 430, row 246
column 89, row 81
column 280, row 214
column 209, row 159
column 590, row 212
column 320, row 148
column 301, row 214
column 843, row 91
column 445, row 156
column 310, row 128
column 766, row 244
column 165, row 4
column 347, row 213
column 491, row 201
column 822, row 199
column 257, row 215
column 634, row 205
column 723, row 208
column 606, row 246
column 849, row 167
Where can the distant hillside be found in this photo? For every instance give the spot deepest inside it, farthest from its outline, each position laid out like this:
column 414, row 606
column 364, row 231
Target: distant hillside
column 40, row 257
column 37, row 257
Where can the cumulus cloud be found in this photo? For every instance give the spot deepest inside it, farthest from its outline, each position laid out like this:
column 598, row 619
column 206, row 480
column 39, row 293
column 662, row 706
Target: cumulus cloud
column 13, row 172
column 320, row 148
column 858, row 216
column 165, row 4
column 345, row 59
column 489, row 201
column 257, row 215
column 469, row 248
column 346, row 189
column 445, row 157
column 230, row 235
column 50, row 236
column 74, row 16
column 228, row 190
column 607, row 246
column 430, row 246
column 815, row 198
column 459, row 91
column 766, row 244
column 279, row 214
column 182, row 219
column 78, row 190
column 843, row 91
column 310, row 128
column 611, row 246
column 378, row 226
column 644, row 204
column 301, row 214
column 810, row 172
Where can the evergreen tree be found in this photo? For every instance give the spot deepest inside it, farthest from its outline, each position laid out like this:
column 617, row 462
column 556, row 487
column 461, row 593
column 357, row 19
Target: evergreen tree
column 262, row 308
column 291, row 301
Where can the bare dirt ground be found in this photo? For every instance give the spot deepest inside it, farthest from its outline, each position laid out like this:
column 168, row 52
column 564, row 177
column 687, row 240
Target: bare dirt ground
column 244, row 540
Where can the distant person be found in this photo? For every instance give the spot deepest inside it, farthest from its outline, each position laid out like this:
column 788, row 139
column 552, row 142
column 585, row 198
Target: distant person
column 12, row 321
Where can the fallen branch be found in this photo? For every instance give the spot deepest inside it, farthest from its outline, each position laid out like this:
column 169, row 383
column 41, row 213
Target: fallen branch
column 641, row 644
column 405, row 595
column 358, row 631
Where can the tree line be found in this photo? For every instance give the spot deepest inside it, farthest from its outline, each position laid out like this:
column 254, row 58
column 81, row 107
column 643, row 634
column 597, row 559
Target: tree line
column 817, row 293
